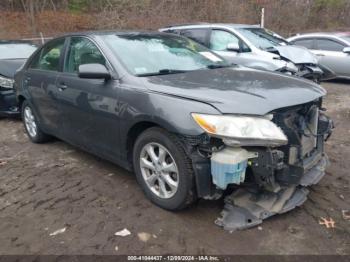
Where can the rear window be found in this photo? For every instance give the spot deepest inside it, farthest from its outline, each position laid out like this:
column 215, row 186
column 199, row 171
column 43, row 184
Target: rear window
column 16, row 50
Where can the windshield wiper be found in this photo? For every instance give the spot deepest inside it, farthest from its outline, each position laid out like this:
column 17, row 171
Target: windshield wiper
column 164, row 72
column 213, row 66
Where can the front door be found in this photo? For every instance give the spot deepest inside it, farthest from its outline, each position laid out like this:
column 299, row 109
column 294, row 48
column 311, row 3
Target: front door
column 88, row 105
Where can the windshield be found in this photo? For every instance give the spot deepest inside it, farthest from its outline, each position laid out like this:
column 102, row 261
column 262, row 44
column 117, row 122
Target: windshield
column 145, row 54
column 262, row 38
column 16, row 50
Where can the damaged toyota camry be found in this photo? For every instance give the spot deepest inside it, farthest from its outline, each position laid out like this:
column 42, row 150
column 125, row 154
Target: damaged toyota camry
column 188, row 123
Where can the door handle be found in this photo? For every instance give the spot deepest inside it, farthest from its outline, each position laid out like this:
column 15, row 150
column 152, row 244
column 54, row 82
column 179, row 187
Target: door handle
column 62, row 87
column 320, row 54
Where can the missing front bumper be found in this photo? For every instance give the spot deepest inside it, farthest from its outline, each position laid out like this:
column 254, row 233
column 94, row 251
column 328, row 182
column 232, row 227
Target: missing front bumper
column 248, row 207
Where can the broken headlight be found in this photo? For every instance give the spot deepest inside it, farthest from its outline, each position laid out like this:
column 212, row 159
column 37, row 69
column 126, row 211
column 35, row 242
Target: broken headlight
column 6, row 82
column 242, row 130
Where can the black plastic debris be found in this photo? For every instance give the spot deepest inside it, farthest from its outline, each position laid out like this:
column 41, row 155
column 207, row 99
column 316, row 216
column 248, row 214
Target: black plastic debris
column 315, row 174
column 246, row 208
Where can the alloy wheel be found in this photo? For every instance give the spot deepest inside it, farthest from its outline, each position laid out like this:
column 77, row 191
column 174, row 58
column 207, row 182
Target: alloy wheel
column 29, row 121
column 159, row 170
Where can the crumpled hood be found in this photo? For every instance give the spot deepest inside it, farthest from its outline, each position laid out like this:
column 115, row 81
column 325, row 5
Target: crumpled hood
column 296, row 54
column 8, row 67
column 237, row 90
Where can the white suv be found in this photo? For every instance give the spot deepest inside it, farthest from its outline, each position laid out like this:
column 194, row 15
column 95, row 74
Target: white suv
column 254, row 47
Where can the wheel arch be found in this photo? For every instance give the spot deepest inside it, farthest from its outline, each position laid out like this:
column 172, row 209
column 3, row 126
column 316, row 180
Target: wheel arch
column 20, row 100
column 134, row 132
column 142, row 123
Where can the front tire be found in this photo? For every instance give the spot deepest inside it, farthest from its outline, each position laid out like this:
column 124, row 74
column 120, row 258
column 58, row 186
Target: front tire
column 31, row 125
column 163, row 170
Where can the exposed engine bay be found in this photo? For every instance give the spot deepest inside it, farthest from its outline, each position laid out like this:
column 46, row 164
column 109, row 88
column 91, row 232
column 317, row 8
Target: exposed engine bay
column 265, row 180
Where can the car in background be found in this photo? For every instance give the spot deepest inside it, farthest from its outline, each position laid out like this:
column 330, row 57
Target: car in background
column 332, row 50
column 254, row 47
column 169, row 109
column 13, row 54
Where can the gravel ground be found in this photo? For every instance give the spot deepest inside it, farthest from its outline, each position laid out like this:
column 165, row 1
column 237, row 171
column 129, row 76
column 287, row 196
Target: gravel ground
column 44, row 188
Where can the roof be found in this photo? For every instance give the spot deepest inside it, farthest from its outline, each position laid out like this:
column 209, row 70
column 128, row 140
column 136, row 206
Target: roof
column 339, row 34
column 110, row 32
column 185, row 24
column 213, row 25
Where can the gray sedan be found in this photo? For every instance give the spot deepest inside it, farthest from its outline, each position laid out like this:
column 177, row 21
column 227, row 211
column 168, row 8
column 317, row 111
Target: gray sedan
column 178, row 115
column 332, row 49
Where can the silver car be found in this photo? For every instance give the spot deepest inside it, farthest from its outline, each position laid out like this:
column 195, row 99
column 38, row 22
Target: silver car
column 252, row 46
column 332, row 49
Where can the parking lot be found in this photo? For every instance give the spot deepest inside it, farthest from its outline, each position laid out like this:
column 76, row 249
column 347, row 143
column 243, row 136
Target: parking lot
column 44, row 188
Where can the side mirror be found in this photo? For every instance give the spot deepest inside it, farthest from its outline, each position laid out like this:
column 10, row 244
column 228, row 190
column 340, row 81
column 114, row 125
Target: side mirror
column 93, row 71
column 233, row 47
column 346, row 50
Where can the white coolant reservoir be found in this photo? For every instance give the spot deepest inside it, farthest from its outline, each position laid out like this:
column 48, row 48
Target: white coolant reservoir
column 229, row 165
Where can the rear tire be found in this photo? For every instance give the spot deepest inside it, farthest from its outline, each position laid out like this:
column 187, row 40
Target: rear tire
column 166, row 178
column 31, row 124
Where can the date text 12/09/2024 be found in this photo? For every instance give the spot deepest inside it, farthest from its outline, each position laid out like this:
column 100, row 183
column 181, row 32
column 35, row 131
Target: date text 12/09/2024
column 173, row 258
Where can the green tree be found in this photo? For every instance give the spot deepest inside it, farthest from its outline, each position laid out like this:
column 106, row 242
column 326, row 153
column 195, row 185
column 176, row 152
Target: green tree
column 78, row 5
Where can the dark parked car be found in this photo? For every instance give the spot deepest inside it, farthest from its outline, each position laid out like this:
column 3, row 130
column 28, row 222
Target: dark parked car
column 188, row 123
column 13, row 54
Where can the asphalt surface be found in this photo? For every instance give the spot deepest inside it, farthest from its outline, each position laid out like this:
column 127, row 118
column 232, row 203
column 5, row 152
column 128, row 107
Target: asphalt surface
column 50, row 187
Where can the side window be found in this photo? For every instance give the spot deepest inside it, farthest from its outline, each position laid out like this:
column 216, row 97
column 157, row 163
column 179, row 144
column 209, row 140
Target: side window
column 219, row 40
column 328, row 45
column 35, row 61
column 308, row 43
column 82, row 51
column 49, row 57
column 198, row 35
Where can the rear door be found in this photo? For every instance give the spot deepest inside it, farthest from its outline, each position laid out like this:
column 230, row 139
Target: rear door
column 88, row 105
column 41, row 82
